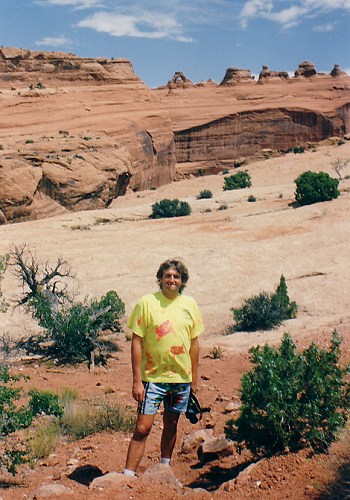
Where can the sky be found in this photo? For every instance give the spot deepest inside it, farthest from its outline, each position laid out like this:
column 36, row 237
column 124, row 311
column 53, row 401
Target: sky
column 198, row 37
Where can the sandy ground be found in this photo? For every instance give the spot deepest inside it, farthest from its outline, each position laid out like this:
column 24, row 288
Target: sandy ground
column 231, row 254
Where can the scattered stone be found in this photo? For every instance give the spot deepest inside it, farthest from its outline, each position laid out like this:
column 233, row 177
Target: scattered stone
column 232, row 406
column 52, row 490
column 110, row 479
column 246, row 474
column 73, row 461
column 197, row 492
column 215, row 448
column 310, row 490
column 163, row 474
column 195, row 439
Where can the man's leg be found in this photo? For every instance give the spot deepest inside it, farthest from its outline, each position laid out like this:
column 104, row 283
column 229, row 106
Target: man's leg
column 170, row 421
column 138, row 441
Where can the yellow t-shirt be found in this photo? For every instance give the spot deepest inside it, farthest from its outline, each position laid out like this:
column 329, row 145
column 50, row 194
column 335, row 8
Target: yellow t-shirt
column 167, row 328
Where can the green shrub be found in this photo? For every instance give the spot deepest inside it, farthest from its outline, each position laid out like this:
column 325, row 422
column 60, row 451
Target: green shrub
column 12, row 418
column 45, row 402
column 75, row 328
column 251, row 198
column 223, row 206
column 170, row 208
column 290, row 400
column 204, row 194
column 237, row 181
column 314, row 187
column 265, row 311
column 72, row 328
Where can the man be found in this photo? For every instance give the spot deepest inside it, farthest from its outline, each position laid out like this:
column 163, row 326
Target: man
column 164, row 358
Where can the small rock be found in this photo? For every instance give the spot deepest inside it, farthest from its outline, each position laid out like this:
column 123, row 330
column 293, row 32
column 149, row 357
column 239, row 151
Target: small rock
column 52, row 490
column 215, row 448
column 73, row 461
column 110, row 479
column 195, row 439
column 232, row 406
column 309, row 490
column 162, row 474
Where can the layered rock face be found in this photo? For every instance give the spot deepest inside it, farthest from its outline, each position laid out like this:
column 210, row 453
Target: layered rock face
column 246, row 133
column 31, row 66
column 84, row 173
column 93, row 130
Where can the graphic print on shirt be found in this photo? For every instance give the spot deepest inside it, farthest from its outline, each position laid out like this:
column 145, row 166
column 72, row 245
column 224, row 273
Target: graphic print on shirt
column 164, row 329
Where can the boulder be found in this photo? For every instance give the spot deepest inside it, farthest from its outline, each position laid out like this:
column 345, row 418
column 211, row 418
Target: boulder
column 215, row 448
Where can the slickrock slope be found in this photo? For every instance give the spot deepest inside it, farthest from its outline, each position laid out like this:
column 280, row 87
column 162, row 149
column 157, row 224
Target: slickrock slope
column 77, row 133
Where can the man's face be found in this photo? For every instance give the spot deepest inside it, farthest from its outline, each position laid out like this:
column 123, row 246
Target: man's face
column 171, row 283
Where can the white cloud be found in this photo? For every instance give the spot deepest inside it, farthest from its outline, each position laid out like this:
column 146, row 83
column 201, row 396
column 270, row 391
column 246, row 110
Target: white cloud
column 324, row 28
column 78, row 4
column 58, row 41
column 141, row 25
column 291, row 15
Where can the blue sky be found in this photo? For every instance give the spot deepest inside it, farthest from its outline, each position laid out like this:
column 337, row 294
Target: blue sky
column 200, row 38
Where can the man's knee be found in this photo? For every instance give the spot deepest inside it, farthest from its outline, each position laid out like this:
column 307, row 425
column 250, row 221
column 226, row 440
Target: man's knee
column 141, row 431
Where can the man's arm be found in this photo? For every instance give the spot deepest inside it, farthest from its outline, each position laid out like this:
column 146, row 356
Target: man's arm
column 194, row 355
column 136, row 356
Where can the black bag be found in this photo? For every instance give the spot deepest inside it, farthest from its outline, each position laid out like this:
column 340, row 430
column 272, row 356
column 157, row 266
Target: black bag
column 194, row 411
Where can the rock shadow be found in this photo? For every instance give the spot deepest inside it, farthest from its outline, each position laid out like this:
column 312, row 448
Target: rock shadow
column 85, row 474
column 213, row 478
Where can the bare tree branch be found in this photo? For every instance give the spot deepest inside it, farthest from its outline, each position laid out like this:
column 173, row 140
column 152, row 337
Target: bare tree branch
column 39, row 278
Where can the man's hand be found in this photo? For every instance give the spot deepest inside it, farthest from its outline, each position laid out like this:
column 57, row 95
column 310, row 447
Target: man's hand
column 138, row 391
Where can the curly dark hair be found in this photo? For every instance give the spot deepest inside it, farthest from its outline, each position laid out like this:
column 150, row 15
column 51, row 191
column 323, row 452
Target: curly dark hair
column 180, row 268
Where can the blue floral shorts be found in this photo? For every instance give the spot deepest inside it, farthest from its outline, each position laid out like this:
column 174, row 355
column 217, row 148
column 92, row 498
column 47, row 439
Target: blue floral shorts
column 174, row 396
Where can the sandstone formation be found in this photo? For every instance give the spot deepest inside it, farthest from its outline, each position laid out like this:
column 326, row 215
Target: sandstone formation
column 267, row 74
column 37, row 66
column 78, row 141
column 179, row 80
column 85, row 172
column 246, row 133
column 306, row 69
column 337, row 71
column 236, row 75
